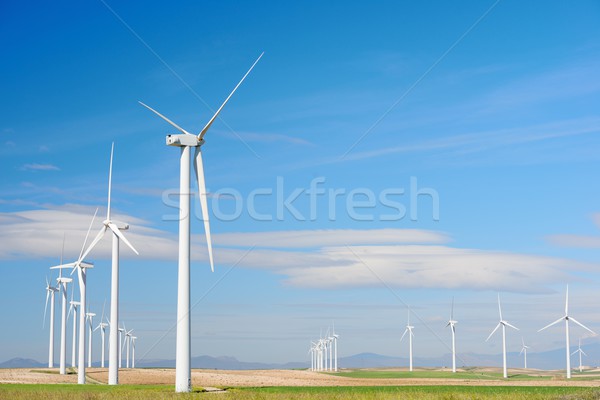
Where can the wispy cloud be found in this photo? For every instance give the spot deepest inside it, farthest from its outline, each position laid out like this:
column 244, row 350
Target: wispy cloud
column 403, row 258
column 577, row 241
column 39, row 167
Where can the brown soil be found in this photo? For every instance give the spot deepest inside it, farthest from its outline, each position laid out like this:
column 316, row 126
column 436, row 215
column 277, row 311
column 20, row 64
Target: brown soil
column 256, row 378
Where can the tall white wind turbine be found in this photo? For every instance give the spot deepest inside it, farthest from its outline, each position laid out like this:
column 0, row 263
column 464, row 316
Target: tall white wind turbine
column 580, row 351
column 567, row 318
column 523, row 351
column 409, row 330
column 115, row 227
column 503, row 323
column 185, row 140
column 452, row 324
column 81, row 267
column 62, row 283
column 50, row 291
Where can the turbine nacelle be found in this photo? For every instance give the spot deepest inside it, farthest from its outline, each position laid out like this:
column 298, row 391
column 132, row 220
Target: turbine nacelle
column 184, row 140
column 123, row 226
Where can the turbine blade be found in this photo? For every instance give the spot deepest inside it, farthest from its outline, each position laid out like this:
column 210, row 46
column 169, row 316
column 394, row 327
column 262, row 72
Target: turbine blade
column 499, row 307
column 203, row 131
column 166, row 119
column 86, row 237
column 94, row 242
column 575, row 352
column 494, row 331
column 103, row 305
column 45, row 307
column 199, row 168
column 583, row 352
column 110, row 181
column 581, row 325
column 402, row 337
column 512, row 326
column 567, row 302
column 452, row 310
column 553, row 323
column 117, row 232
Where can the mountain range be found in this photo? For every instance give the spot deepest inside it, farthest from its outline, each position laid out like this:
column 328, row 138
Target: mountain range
column 553, row 359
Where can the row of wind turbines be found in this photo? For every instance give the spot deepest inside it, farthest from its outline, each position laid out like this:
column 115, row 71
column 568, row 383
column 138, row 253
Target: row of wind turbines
column 502, row 324
column 127, row 343
column 85, row 317
column 324, row 353
column 185, row 141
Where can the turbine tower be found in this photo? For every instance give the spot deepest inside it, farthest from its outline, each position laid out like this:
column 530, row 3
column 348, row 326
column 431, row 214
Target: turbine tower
column 452, row 324
column 133, row 339
column 580, row 353
column 567, row 318
column 503, row 323
column 409, row 330
column 116, row 227
column 62, row 283
column 50, row 291
column 524, row 351
column 185, row 140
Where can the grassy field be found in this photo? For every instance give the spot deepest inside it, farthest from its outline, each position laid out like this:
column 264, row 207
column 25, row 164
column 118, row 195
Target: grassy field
column 139, row 392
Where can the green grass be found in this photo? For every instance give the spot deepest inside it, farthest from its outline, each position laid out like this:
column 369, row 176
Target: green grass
column 370, row 374
column 139, row 392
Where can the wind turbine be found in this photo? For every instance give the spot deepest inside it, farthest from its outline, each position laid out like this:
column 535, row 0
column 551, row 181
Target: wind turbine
column 567, row 318
column 121, row 330
column 50, row 291
column 524, row 351
column 185, row 140
column 81, row 267
column 409, row 330
column 335, row 339
column 580, row 353
column 503, row 323
column 133, row 339
column 116, row 227
column 90, row 318
column 62, row 283
column 452, row 324
column 126, row 344
column 73, row 306
column 102, row 326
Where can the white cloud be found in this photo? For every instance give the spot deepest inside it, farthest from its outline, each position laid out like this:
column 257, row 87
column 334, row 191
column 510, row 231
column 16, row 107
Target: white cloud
column 398, row 258
column 577, row 241
column 40, row 167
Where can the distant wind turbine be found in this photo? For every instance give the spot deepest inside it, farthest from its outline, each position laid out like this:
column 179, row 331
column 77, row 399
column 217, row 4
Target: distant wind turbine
column 73, row 305
column 503, row 323
column 90, row 318
column 102, row 326
column 185, row 140
column 115, row 227
column 409, row 330
column 335, row 351
column 567, row 318
column 580, row 351
column 133, row 339
column 62, row 283
column 452, row 324
column 524, row 351
column 50, row 291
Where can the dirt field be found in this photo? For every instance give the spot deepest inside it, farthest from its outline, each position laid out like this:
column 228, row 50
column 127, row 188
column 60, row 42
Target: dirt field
column 260, row 378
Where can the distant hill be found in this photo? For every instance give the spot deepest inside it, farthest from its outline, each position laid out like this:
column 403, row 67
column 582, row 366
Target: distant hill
column 553, row 359
column 22, row 363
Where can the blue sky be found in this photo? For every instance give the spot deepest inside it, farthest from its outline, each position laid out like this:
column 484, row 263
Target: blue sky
column 476, row 123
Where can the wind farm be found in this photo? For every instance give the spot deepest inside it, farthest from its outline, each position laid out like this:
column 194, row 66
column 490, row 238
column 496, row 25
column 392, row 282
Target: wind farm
column 388, row 200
